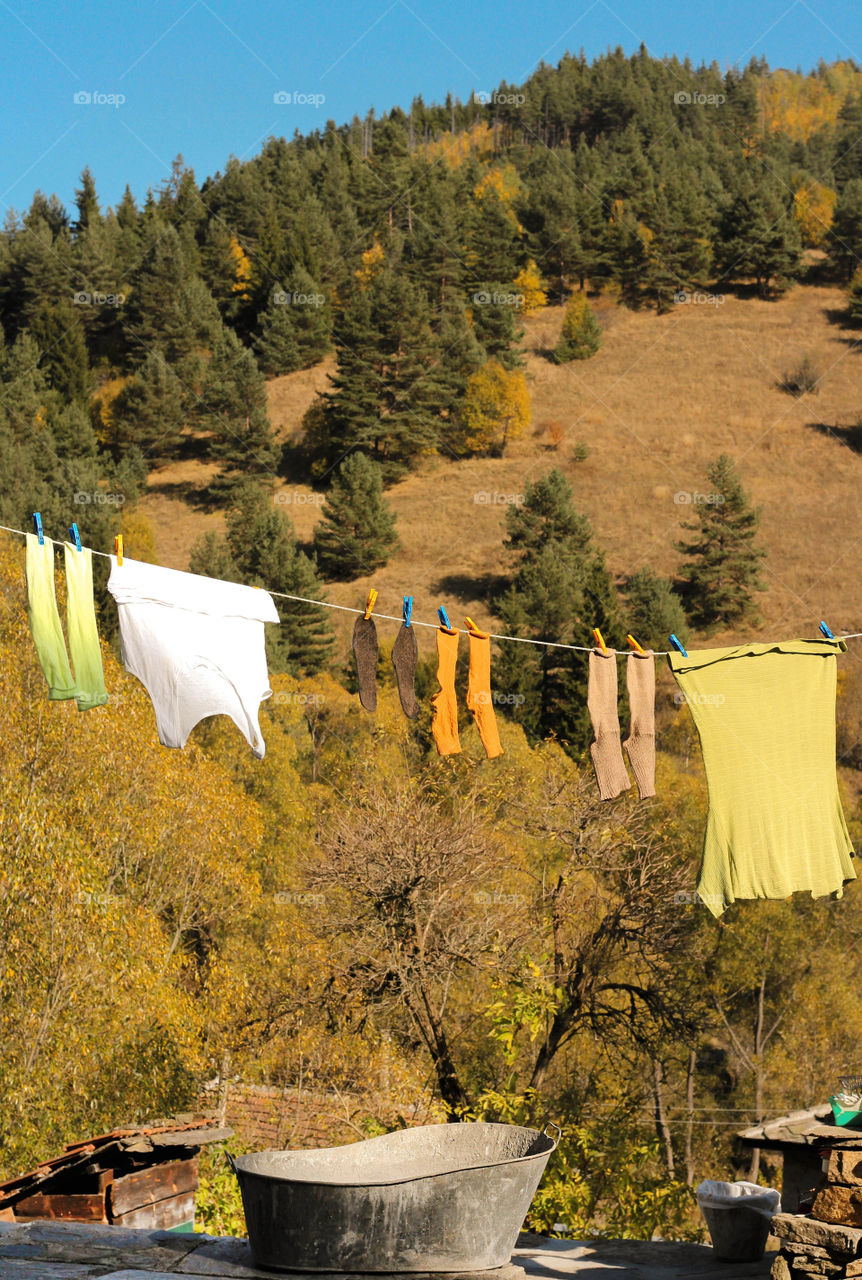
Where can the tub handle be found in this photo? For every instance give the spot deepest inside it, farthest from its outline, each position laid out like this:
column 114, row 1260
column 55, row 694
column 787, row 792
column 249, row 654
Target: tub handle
column 230, row 1161
column 551, row 1124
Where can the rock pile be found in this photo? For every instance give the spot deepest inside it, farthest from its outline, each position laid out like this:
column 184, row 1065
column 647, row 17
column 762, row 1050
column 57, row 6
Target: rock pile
column 828, row 1241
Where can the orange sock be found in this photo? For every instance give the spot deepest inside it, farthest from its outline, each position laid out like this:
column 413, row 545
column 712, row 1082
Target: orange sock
column 479, row 699
column 444, row 724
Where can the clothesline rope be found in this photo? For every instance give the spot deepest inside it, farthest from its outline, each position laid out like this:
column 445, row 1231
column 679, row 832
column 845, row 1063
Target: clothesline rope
column 414, row 622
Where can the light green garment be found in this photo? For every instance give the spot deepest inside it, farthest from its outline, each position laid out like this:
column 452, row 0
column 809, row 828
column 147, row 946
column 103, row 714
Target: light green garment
column 765, row 714
column 84, row 647
column 89, row 688
column 45, row 620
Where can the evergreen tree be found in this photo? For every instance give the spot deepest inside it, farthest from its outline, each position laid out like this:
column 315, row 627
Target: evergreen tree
column 261, row 549
column 233, row 406
column 560, row 589
column 357, row 532
column 581, row 335
column 495, row 320
column 276, row 345
column 151, row 410
column 723, row 558
column 59, row 332
column 86, row 202
column 653, row 609
column 845, row 234
column 854, row 299
column 384, row 399
column 170, row 309
column 758, row 239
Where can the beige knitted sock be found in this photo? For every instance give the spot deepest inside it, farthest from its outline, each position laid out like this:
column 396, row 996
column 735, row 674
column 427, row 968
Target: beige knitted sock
column 602, row 704
column 640, row 744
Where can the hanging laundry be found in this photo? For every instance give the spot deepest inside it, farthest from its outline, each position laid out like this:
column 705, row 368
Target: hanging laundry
column 45, row 626
column 606, row 751
column 640, row 744
column 197, row 646
column 479, row 699
column 765, row 714
column 444, row 722
column 87, row 686
column 405, row 655
column 365, row 652
column 84, row 648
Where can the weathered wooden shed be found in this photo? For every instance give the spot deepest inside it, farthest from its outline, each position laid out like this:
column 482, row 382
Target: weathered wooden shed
column 134, row 1176
column 803, row 1138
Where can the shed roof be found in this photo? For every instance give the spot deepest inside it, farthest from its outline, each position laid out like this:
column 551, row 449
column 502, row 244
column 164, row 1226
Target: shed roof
column 814, row 1127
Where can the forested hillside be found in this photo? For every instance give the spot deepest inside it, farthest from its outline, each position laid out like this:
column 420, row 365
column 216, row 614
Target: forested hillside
column 533, row 358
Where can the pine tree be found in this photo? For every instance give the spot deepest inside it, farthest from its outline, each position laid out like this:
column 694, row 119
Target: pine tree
column 559, row 590
column 385, row 393
column 86, row 202
column 276, row 346
column 233, row 406
column 261, row 550
column 151, row 410
column 59, row 332
column 495, row 319
column 170, row 309
column 581, row 335
column 758, row 239
column 845, row 234
column 854, row 299
column 653, row 610
column 357, row 533
column 722, row 570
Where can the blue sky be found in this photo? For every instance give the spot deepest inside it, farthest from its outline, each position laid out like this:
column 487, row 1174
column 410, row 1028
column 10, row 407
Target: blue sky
column 199, row 77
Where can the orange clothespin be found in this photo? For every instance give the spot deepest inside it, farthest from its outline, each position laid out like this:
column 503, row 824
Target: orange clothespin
column 118, row 548
column 599, row 641
column 369, row 603
column 634, row 644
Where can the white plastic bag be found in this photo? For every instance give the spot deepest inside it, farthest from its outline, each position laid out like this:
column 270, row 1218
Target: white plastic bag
column 739, row 1195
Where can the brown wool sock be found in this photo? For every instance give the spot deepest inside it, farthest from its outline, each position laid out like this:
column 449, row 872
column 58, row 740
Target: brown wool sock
column 640, row 744
column 479, row 699
column 444, row 724
column 405, row 655
column 365, row 651
column 602, row 704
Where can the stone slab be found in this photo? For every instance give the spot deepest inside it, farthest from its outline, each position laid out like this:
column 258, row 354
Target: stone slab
column 842, row 1241
column 21, row 1269
column 232, row 1258
column 839, row 1204
column 845, row 1167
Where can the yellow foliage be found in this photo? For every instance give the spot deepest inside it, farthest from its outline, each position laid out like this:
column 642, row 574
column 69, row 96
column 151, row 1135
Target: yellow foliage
column 496, row 409
column 456, row 148
column 242, row 268
column 372, row 264
column 138, row 541
column 103, row 399
column 798, row 105
column 813, row 207
column 528, row 282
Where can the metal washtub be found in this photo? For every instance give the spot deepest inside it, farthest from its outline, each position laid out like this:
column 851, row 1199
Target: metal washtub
column 441, row 1197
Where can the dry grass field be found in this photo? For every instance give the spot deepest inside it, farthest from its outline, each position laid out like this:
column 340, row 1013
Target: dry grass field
column 663, row 397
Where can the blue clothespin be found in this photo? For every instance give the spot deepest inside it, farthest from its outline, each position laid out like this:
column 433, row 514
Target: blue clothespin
column 678, row 646
column 828, row 634
column 76, row 537
column 408, row 610
column 444, row 618
column 37, row 525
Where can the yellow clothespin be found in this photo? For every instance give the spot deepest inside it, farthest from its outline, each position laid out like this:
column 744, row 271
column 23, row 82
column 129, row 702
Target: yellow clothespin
column 118, row 548
column 471, row 624
column 599, row 641
column 634, row 644
column 369, row 604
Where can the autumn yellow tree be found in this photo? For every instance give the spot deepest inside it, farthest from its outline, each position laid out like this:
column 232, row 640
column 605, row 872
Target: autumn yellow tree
column 496, row 410
column 813, row 206
column 528, row 283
